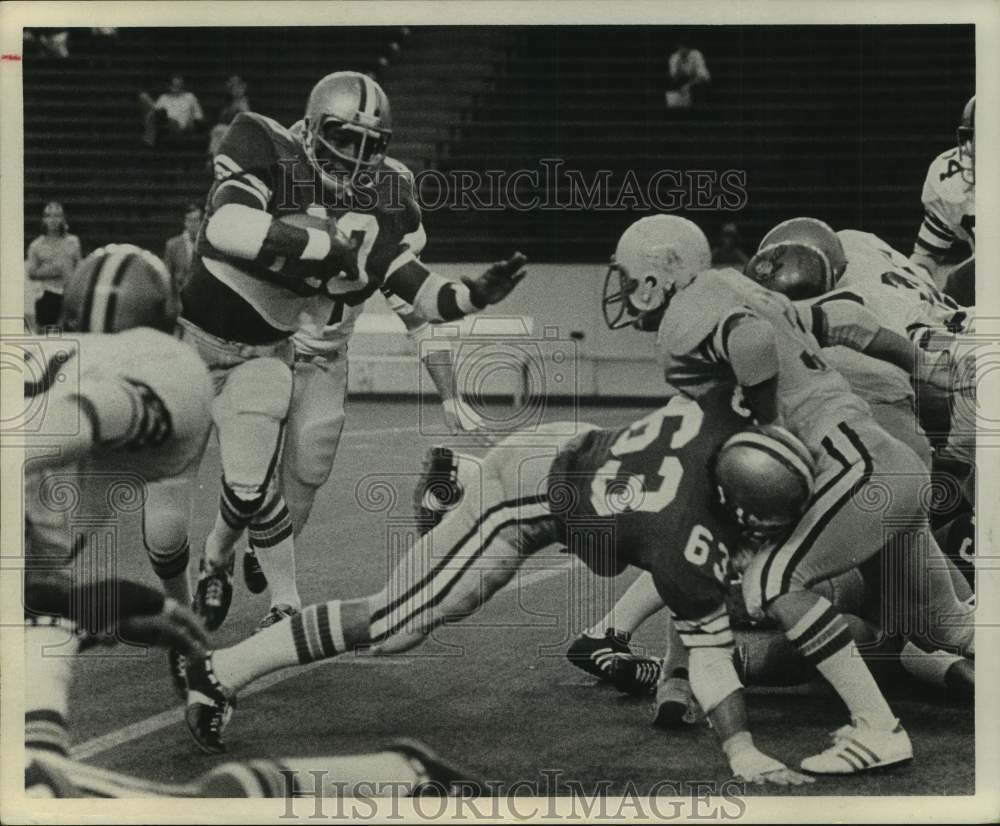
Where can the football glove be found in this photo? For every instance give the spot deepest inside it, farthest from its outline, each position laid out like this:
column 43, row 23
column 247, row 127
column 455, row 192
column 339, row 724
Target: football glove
column 494, row 285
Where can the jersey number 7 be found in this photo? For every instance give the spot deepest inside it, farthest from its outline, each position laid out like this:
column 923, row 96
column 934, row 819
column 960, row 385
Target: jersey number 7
column 640, row 477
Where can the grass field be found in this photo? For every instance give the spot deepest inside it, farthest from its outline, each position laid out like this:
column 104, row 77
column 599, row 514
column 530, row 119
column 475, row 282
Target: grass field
column 494, row 693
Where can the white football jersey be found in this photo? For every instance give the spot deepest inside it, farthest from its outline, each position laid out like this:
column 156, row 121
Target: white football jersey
column 176, row 406
column 949, row 208
column 902, row 295
column 693, row 351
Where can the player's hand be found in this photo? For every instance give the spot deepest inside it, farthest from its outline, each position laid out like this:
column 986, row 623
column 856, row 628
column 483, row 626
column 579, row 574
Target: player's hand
column 174, row 627
column 753, row 766
column 494, row 285
column 461, row 419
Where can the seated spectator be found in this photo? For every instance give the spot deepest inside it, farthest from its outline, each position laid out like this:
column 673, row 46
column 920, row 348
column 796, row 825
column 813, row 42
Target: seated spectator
column 47, row 42
column 727, row 251
column 51, row 258
column 688, row 72
column 236, row 90
column 179, row 252
column 175, row 118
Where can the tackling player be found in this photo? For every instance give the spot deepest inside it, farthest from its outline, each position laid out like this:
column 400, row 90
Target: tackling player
column 949, row 198
column 611, row 497
column 717, row 328
column 306, row 221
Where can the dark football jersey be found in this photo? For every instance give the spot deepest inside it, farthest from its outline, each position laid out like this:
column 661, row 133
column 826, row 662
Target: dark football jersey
column 263, row 165
column 642, row 495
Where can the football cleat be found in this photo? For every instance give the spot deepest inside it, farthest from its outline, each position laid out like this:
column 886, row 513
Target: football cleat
column 861, row 748
column 177, row 663
column 253, row 574
column 275, row 615
column 208, row 708
column 594, row 654
column 213, row 594
column 675, row 703
column 437, row 775
column 634, row 674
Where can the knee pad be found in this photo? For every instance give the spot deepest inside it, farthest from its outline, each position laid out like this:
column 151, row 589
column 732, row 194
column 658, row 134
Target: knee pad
column 258, row 387
column 165, row 537
column 239, row 503
column 312, row 448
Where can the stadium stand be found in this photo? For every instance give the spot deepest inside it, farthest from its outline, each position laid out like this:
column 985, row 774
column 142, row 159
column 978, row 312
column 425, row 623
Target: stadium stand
column 839, row 122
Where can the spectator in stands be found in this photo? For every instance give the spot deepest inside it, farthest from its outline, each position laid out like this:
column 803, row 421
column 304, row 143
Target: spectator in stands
column 175, row 118
column 47, row 42
column 728, row 251
column 51, row 258
column 236, row 91
column 179, row 252
column 689, row 76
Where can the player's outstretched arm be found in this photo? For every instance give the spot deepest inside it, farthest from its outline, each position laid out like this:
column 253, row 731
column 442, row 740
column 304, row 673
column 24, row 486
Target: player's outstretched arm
column 748, row 343
column 717, row 688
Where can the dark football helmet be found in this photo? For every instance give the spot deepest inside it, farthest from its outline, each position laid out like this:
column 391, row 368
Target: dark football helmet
column 799, row 271
column 966, row 135
column 655, row 257
column 815, row 233
column 347, row 127
column 764, row 477
column 119, row 287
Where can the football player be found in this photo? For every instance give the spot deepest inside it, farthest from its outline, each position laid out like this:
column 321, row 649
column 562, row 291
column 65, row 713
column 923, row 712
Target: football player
column 120, row 396
column 62, row 616
column 863, row 268
column 718, row 328
column 640, row 495
column 312, row 220
column 949, row 198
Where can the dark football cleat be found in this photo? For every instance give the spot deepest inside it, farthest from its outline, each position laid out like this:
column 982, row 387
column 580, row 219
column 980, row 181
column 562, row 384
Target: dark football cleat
column 634, row 674
column 213, row 594
column 593, row 654
column 253, row 575
column 960, row 680
column 177, row 663
column 438, row 777
column 275, row 615
column 208, row 708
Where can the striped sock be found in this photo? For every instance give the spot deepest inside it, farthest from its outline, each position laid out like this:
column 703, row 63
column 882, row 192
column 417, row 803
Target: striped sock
column 45, row 730
column 823, row 638
column 271, row 539
column 317, row 633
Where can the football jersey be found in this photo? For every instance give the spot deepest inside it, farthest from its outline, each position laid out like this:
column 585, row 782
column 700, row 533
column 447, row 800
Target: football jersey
column 902, row 295
column 692, row 347
column 644, row 494
column 176, row 411
column 949, row 206
column 326, row 327
column 255, row 301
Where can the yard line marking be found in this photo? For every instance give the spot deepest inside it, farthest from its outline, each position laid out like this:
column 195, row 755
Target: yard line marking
column 134, row 731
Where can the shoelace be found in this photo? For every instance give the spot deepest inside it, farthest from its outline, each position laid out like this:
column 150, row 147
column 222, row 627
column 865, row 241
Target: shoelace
column 646, row 673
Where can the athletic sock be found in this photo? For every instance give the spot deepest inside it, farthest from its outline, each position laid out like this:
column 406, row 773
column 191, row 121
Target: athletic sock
column 635, row 606
column 319, row 632
column 50, row 649
column 271, row 539
column 823, row 638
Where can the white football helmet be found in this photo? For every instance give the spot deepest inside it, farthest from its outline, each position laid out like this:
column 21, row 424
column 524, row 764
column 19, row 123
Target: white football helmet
column 655, row 257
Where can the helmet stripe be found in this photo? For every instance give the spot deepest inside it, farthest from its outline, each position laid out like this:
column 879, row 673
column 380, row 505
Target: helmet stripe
column 785, row 454
column 99, row 307
column 363, row 91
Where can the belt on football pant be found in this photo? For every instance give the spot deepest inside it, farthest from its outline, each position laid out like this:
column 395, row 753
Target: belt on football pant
column 318, row 358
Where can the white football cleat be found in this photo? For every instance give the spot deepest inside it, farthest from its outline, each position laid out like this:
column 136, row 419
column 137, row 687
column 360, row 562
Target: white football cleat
column 858, row 748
